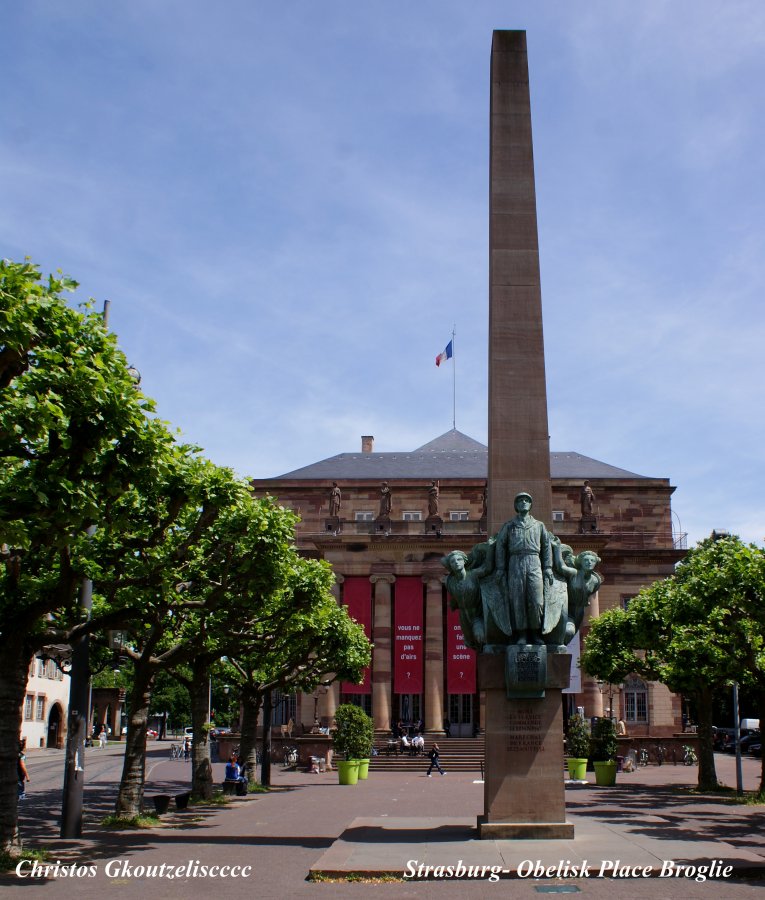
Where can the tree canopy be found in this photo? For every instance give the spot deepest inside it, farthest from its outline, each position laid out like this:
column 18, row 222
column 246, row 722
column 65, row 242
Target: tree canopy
column 697, row 631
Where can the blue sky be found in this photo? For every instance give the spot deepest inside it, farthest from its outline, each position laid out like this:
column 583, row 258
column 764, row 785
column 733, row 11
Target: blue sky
column 287, row 205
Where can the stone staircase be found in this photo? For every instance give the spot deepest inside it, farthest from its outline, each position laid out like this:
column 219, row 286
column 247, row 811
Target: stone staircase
column 456, row 755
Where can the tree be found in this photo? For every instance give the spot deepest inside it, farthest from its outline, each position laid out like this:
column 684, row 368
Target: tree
column 307, row 640
column 74, row 435
column 697, row 631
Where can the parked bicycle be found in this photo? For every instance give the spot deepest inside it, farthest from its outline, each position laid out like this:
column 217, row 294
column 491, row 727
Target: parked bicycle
column 643, row 757
column 290, row 757
column 176, row 751
column 689, row 756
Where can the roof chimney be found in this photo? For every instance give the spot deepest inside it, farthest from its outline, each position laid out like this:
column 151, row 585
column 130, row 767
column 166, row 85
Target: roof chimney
column 367, row 443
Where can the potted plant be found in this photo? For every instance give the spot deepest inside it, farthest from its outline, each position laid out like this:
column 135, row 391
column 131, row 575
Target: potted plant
column 353, row 738
column 577, row 747
column 603, row 751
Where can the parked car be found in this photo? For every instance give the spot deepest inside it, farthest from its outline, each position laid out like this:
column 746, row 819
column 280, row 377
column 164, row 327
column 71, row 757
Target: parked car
column 756, row 749
column 215, row 733
column 747, row 737
column 151, row 734
column 188, row 732
column 721, row 737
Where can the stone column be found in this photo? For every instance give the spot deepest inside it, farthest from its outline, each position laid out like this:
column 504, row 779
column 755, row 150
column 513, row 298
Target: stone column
column 382, row 707
column 592, row 698
column 329, row 701
column 434, row 655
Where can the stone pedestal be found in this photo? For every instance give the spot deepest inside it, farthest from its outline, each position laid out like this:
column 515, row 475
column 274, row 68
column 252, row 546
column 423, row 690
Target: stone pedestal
column 434, row 523
column 524, row 793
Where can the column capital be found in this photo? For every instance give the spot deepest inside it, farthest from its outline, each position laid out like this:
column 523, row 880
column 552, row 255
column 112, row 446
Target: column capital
column 385, row 579
column 433, row 578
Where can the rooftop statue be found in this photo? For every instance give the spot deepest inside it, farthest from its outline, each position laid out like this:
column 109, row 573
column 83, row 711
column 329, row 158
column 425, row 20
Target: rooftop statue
column 335, row 498
column 385, row 501
column 433, row 499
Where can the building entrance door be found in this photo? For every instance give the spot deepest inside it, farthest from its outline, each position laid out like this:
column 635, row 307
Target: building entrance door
column 460, row 715
column 408, row 709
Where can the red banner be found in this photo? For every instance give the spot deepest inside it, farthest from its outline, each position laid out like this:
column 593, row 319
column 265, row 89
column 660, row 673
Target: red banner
column 357, row 596
column 460, row 659
column 408, row 652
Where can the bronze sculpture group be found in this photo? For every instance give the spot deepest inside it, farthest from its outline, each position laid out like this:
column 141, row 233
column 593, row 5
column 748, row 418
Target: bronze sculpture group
column 522, row 586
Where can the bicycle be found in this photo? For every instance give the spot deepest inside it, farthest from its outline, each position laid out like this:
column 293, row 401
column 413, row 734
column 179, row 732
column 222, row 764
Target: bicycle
column 643, row 757
column 176, row 751
column 689, row 756
column 290, row 757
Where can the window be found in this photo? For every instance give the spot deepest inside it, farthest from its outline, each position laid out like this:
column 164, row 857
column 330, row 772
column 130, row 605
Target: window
column 362, row 700
column 365, row 515
column 558, row 515
column 626, row 599
column 28, row 706
column 40, row 667
column 635, row 700
column 40, row 709
column 458, row 515
column 285, row 707
column 412, row 515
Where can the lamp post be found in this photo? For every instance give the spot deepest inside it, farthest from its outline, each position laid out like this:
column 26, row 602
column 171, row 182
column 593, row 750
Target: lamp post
column 608, row 690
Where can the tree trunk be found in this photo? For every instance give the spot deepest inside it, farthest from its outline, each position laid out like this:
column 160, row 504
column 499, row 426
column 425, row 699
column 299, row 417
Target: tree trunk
column 265, row 762
column 132, row 783
column 201, row 769
column 707, row 771
column 14, row 667
column 761, row 706
column 249, row 733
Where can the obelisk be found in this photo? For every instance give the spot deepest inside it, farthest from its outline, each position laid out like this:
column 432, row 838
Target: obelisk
column 524, row 796
column 519, row 442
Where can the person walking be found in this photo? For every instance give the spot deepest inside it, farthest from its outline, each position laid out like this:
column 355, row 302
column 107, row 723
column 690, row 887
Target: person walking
column 103, row 737
column 433, row 755
column 22, row 774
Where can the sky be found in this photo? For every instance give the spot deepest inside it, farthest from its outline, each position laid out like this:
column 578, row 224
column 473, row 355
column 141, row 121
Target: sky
column 287, row 206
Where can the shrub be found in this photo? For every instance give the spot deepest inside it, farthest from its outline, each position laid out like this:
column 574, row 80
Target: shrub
column 355, row 732
column 578, row 738
column 603, row 742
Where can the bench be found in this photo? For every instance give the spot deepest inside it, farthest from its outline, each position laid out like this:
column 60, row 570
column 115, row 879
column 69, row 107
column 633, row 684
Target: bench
column 234, row 786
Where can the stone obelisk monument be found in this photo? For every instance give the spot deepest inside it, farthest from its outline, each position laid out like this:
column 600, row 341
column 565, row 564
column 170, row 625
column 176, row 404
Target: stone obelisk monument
column 523, row 790
column 519, row 442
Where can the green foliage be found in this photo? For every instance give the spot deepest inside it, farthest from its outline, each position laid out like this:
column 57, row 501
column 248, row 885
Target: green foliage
column 703, row 625
column 120, row 823
column 354, row 734
column 603, row 740
column 578, row 738
column 74, row 435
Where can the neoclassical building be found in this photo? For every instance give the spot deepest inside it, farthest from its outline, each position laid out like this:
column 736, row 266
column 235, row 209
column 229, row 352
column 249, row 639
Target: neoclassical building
column 399, row 513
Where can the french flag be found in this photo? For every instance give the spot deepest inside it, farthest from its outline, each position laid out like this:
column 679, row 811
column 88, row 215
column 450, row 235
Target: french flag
column 445, row 354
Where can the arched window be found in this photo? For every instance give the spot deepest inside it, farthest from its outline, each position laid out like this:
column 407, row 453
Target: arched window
column 635, row 700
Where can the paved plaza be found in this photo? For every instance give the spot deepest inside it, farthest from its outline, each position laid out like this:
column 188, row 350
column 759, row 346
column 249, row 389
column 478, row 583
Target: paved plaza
column 397, row 823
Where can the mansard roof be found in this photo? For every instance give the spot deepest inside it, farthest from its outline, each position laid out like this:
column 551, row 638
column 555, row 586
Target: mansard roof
column 452, row 455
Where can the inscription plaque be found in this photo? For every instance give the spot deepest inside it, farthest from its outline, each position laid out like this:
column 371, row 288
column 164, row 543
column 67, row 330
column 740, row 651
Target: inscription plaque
column 526, row 672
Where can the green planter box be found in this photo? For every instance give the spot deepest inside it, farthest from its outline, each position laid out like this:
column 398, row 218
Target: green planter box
column 577, row 769
column 605, row 773
column 363, row 769
column 348, row 771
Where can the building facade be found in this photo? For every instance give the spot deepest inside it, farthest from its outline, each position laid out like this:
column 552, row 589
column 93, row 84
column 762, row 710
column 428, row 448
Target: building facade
column 385, row 520
column 46, row 703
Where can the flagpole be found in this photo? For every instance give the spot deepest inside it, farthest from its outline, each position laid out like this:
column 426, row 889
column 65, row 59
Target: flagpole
column 454, row 380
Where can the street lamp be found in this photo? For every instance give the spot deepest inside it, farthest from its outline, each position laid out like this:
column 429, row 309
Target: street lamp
column 608, row 690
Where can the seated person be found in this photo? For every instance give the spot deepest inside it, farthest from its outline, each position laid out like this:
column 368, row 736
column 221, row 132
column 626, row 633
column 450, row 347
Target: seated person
column 418, row 743
column 405, row 742
column 234, row 771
